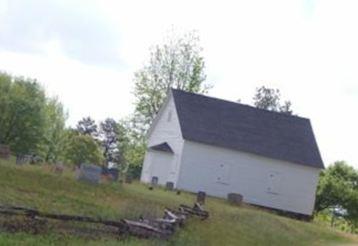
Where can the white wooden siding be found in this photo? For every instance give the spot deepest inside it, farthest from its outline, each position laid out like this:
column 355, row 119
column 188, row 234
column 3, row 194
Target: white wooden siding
column 160, row 166
column 262, row 181
column 165, row 128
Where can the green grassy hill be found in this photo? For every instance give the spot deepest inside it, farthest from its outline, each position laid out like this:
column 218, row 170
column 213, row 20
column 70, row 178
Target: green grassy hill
column 39, row 187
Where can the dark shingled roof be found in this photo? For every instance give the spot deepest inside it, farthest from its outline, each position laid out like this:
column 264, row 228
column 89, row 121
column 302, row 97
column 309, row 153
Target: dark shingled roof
column 241, row 127
column 162, row 147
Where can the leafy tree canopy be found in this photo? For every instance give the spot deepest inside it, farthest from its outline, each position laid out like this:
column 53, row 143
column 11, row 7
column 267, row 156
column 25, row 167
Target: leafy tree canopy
column 55, row 137
column 82, row 149
column 23, row 114
column 338, row 191
column 132, row 146
column 87, row 126
column 109, row 137
column 177, row 63
column 270, row 99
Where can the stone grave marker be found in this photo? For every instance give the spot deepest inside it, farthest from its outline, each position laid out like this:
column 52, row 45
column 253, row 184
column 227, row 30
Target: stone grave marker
column 114, row 172
column 169, row 186
column 89, row 173
column 154, row 181
column 200, row 197
column 128, row 179
column 58, row 168
column 235, row 198
column 4, row 151
column 22, row 159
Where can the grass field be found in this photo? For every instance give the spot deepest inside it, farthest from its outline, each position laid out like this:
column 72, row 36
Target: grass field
column 38, row 187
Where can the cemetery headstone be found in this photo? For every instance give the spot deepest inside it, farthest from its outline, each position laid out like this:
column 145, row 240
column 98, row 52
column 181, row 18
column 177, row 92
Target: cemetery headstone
column 105, row 175
column 35, row 159
column 235, row 198
column 58, row 169
column 154, row 181
column 128, row 179
column 114, row 172
column 19, row 160
column 89, row 173
column 200, row 197
column 105, row 171
column 169, row 186
column 22, row 159
column 4, row 151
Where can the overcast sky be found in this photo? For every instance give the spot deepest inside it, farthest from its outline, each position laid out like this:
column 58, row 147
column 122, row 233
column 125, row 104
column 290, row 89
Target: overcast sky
column 85, row 52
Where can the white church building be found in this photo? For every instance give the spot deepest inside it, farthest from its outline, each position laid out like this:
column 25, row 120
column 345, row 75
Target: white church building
column 206, row 144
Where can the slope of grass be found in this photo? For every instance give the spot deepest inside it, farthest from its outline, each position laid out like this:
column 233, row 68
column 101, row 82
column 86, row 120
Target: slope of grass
column 38, row 187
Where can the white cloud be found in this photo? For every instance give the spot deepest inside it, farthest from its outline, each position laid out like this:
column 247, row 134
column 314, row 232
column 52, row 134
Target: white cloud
column 307, row 48
column 83, row 89
column 81, row 30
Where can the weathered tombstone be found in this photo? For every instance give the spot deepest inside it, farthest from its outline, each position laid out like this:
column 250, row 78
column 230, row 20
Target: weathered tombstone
column 154, row 181
column 200, row 197
column 114, row 172
column 89, row 173
column 4, row 151
column 33, row 159
column 58, row 169
column 19, row 160
column 235, row 198
column 105, row 175
column 169, row 186
column 105, row 171
column 128, row 179
column 22, row 159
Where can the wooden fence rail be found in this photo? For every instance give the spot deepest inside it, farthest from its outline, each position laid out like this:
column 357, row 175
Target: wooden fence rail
column 143, row 228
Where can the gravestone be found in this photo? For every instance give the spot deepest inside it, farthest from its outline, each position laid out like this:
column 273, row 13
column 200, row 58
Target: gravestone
column 106, row 175
column 235, row 198
column 22, row 159
column 154, row 181
column 200, row 197
column 58, row 169
column 89, row 173
column 169, row 186
column 129, row 179
column 114, row 172
column 4, row 151
column 35, row 159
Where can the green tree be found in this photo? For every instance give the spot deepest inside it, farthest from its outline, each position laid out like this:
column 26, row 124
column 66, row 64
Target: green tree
column 132, row 146
column 82, row 149
column 177, row 63
column 55, row 138
column 338, row 192
column 109, row 137
column 23, row 116
column 87, row 126
column 270, row 99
